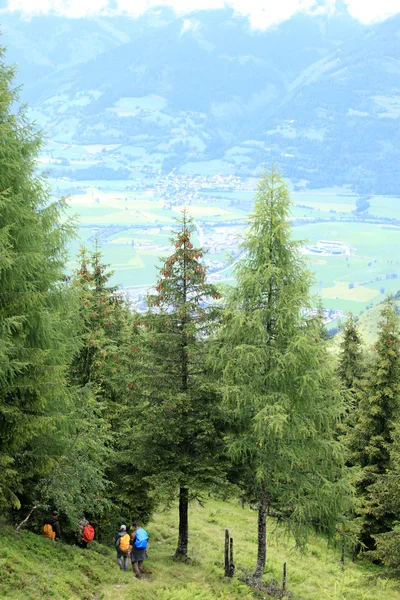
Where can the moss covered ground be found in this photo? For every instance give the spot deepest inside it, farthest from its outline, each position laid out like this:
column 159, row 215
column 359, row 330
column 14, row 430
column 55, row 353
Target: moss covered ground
column 32, row 567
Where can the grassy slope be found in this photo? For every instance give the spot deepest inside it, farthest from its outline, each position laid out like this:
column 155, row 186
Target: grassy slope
column 368, row 323
column 32, row 567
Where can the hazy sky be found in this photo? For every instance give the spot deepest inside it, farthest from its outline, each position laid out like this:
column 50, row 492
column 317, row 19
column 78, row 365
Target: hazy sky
column 261, row 12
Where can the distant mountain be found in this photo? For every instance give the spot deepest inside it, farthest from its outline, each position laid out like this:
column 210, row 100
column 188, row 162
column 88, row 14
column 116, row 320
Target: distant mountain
column 346, row 112
column 318, row 94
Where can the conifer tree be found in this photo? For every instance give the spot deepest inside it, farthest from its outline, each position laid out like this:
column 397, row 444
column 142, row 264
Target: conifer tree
column 99, row 309
column 101, row 368
column 277, row 379
column 76, row 483
column 178, row 434
column 36, row 320
column 385, row 500
column 351, row 360
column 351, row 370
column 370, row 440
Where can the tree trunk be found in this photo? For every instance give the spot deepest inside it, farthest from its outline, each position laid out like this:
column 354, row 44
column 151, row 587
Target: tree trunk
column 183, row 538
column 262, row 535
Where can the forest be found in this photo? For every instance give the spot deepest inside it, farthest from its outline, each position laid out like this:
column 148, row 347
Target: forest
column 213, row 392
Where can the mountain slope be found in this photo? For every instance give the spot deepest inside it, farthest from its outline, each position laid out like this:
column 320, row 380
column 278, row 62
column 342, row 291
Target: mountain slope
column 318, row 93
column 33, row 568
column 351, row 99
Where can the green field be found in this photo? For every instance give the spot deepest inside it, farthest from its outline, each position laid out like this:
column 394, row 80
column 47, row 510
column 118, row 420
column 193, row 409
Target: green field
column 134, row 228
column 376, row 255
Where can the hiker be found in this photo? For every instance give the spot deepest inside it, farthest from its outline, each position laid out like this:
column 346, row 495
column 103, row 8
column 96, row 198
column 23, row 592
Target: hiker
column 122, row 544
column 86, row 533
column 51, row 527
column 139, row 543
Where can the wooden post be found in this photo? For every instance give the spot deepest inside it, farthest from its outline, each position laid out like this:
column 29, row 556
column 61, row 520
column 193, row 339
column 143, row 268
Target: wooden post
column 342, row 557
column 231, row 563
column 284, row 580
column 226, row 552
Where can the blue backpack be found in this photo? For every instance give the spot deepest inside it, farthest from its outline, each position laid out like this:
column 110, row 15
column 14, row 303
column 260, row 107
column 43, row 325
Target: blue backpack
column 141, row 538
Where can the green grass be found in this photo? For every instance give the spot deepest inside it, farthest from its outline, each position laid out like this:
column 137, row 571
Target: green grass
column 32, row 567
column 384, row 206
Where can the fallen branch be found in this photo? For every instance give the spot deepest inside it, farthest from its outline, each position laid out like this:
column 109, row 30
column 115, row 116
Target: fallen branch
column 25, row 520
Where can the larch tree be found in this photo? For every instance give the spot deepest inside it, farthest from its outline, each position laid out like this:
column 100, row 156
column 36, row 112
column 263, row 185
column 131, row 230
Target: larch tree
column 36, row 319
column 370, row 440
column 279, row 388
column 177, row 434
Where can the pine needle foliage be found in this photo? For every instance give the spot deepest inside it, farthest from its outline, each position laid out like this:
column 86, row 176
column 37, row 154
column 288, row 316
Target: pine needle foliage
column 370, row 440
column 100, row 372
column 385, row 500
column 179, row 428
column 352, row 371
column 279, row 387
column 36, row 322
column 98, row 305
column 351, row 359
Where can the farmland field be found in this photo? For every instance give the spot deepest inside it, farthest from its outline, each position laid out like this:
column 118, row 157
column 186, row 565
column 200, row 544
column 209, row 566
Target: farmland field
column 133, row 224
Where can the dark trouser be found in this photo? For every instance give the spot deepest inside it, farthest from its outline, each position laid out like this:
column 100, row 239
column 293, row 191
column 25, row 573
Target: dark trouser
column 123, row 560
column 137, row 566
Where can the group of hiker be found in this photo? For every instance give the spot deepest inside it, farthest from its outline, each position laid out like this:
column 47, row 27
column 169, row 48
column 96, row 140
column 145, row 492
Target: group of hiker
column 52, row 530
column 133, row 546
column 129, row 546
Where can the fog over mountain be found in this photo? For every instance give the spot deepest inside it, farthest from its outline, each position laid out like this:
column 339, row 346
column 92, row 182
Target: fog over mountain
column 318, row 94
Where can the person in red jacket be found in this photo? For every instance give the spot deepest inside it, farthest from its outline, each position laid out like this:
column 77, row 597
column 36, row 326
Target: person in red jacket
column 86, row 533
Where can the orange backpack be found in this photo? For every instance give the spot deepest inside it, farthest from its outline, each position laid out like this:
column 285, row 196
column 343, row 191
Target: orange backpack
column 88, row 534
column 48, row 531
column 124, row 544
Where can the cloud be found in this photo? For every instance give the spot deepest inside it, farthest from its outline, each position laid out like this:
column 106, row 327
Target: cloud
column 370, row 11
column 261, row 13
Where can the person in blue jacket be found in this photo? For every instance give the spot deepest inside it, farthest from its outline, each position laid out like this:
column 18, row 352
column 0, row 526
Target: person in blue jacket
column 139, row 543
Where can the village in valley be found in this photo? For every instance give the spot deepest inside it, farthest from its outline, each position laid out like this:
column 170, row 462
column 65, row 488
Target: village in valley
column 132, row 221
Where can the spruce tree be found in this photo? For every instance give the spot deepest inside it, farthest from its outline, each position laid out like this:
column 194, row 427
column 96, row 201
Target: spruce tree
column 99, row 304
column 277, row 378
column 76, row 483
column 351, row 359
column 177, row 436
column 101, row 368
column 370, row 440
column 36, row 320
column 385, row 500
column 351, row 370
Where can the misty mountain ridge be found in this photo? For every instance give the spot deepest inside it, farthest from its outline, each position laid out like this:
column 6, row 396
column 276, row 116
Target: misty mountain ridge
column 319, row 94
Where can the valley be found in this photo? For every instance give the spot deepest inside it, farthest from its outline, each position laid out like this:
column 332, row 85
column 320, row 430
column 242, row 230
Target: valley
column 149, row 119
column 132, row 220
